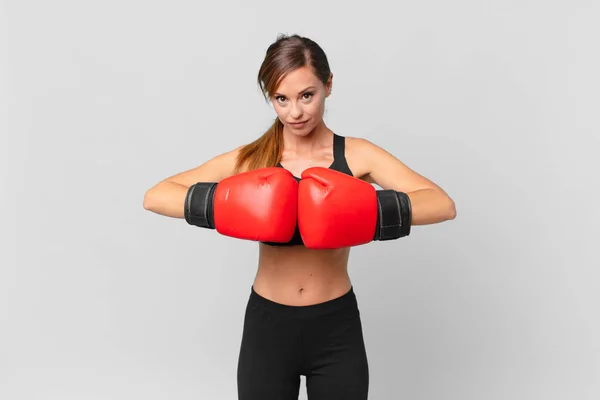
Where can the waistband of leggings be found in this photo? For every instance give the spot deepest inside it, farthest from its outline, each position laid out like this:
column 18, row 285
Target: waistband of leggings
column 344, row 301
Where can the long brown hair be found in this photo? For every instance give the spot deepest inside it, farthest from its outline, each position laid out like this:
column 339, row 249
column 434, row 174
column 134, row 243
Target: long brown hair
column 284, row 56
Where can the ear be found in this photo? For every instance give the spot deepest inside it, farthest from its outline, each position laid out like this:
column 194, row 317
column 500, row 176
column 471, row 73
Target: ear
column 329, row 84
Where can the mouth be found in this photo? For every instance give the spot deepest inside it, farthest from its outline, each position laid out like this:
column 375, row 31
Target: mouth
column 298, row 123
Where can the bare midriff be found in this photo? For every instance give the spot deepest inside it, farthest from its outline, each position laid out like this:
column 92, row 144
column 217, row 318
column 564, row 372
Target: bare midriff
column 297, row 276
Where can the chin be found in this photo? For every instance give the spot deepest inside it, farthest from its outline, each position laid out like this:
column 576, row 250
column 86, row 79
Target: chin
column 301, row 132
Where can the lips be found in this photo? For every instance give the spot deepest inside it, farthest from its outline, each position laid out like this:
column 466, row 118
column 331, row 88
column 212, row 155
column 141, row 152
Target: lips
column 298, row 123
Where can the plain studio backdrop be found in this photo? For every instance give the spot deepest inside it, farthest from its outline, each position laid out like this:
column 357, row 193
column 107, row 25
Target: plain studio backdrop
column 495, row 101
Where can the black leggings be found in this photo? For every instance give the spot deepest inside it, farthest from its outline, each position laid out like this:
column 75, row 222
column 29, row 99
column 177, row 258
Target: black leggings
column 323, row 342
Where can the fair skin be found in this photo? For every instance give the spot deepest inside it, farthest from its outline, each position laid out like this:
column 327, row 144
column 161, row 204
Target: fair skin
column 295, row 275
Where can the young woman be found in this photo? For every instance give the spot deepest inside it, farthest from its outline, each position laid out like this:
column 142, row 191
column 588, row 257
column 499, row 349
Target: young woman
column 305, row 194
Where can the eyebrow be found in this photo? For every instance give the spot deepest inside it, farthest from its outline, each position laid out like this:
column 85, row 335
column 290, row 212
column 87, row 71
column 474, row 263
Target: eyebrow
column 300, row 92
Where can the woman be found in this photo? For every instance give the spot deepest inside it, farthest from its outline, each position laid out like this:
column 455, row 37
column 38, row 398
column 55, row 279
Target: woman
column 302, row 316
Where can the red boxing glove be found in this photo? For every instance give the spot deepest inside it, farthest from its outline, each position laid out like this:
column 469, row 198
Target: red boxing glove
column 335, row 210
column 258, row 205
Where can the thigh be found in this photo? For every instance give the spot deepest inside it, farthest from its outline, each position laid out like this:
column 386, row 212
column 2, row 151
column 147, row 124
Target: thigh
column 339, row 368
column 268, row 360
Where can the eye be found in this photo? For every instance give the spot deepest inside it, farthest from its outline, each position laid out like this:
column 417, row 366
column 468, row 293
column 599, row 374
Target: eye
column 277, row 98
column 310, row 94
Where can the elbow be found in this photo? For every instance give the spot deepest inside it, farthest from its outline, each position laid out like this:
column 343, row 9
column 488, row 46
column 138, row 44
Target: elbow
column 451, row 210
column 147, row 203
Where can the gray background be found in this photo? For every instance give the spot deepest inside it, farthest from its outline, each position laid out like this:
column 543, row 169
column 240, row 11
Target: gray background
column 495, row 101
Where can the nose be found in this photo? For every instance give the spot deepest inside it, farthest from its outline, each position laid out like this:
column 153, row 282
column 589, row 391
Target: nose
column 296, row 111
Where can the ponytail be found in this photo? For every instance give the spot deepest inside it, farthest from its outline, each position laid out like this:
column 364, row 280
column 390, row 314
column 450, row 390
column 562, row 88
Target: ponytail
column 263, row 152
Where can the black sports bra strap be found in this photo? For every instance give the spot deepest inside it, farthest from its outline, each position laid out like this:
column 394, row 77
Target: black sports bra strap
column 339, row 158
column 339, row 144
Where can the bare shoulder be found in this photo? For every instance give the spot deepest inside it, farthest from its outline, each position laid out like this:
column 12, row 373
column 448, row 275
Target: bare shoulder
column 376, row 165
column 362, row 146
column 359, row 155
column 215, row 169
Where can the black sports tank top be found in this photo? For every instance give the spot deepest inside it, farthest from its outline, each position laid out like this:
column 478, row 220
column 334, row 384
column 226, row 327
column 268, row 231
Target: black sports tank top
column 339, row 164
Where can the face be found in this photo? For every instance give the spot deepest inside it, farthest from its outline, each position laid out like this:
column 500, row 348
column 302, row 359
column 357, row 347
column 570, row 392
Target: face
column 300, row 98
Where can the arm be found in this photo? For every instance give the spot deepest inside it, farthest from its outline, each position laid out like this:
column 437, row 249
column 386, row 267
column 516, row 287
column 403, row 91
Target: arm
column 429, row 203
column 168, row 196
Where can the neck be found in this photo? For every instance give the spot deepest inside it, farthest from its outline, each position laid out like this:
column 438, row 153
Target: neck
column 304, row 145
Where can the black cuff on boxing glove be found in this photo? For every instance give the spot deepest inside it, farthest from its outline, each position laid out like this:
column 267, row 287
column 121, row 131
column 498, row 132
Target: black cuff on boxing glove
column 199, row 208
column 394, row 215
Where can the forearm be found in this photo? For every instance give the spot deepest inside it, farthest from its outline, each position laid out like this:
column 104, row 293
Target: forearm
column 166, row 198
column 430, row 206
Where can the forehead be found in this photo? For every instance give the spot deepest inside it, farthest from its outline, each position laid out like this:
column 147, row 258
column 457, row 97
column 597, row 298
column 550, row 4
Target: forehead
column 298, row 80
